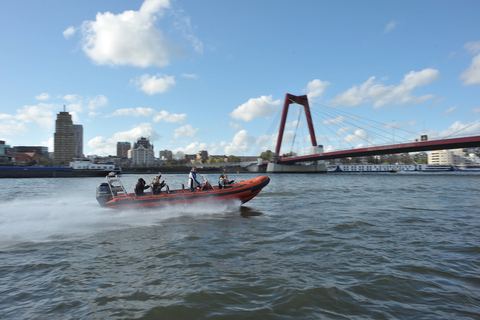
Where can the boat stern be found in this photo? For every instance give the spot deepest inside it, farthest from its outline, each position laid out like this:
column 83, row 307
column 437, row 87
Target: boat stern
column 103, row 194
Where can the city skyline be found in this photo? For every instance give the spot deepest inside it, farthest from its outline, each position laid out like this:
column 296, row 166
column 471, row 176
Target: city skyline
column 212, row 76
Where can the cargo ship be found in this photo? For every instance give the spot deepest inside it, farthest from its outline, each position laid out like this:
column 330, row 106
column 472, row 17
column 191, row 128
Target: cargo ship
column 78, row 168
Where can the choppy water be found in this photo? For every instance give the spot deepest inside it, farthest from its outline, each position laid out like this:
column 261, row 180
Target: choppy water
column 335, row 246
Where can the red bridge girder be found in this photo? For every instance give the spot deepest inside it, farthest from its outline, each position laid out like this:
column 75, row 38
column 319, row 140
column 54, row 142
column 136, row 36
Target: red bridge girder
column 454, row 143
column 301, row 100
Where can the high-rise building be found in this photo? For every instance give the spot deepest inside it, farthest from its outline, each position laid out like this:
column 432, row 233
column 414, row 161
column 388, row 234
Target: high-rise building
column 166, row 155
column 78, row 137
column 122, row 149
column 68, row 140
column 142, row 152
column 64, row 139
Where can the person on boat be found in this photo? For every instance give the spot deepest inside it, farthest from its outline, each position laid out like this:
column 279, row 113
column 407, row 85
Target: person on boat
column 223, row 181
column 157, row 185
column 192, row 179
column 140, row 187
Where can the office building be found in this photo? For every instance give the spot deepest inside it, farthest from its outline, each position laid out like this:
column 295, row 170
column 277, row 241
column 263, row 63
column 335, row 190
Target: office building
column 122, row 149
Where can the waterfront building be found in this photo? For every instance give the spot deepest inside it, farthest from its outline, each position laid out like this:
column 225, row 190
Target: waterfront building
column 122, row 149
column 64, row 139
column 440, row 157
column 166, row 155
column 454, row 157
column 39, row 150
column 78, row 138
column 68, row 140
column 142, row 153
column 4, row 148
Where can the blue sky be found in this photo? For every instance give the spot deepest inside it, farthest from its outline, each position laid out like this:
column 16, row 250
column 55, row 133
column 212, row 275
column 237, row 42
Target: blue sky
column 212, row 75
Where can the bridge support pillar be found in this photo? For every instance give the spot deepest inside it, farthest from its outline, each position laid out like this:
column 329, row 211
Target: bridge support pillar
column 317, row 166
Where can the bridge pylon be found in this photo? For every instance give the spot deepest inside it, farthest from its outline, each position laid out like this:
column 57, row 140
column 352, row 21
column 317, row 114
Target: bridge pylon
column 317, row 166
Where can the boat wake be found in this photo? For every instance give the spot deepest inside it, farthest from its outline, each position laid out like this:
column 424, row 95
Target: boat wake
column 75, row 216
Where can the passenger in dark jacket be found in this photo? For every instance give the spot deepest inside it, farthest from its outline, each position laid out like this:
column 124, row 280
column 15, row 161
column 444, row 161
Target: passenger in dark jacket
column 140, row 187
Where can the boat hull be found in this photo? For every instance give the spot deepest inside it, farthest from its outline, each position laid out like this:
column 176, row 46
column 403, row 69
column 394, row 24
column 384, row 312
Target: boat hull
column 243, row 191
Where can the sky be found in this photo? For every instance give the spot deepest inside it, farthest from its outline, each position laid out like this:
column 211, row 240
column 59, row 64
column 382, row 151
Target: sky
column 212, row 75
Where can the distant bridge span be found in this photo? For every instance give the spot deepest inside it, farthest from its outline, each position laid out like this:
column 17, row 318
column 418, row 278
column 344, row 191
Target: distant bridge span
column 453, row 143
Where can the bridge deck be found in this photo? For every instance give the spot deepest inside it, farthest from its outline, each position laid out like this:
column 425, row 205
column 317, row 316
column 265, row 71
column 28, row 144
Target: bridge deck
column 454, row 143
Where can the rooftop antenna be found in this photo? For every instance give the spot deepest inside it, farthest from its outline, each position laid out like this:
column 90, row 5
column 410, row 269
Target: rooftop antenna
column 64, row 108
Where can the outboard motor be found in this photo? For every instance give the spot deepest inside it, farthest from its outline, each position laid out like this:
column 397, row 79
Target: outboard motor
column 103, row 194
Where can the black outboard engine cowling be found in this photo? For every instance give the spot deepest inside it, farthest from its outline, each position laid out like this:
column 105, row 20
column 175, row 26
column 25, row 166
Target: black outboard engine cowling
column 103, row 194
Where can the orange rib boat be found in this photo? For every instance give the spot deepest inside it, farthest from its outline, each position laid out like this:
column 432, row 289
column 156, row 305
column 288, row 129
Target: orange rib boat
column 116, row 197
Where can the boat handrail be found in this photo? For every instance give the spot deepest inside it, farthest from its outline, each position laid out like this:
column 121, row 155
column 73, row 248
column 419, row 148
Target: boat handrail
column 118, row 190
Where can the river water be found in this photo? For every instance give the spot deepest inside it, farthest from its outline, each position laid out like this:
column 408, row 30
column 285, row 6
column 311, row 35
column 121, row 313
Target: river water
column 332, row 246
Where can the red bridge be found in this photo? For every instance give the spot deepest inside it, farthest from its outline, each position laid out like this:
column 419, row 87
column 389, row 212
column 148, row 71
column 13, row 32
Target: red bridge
column 464, row 142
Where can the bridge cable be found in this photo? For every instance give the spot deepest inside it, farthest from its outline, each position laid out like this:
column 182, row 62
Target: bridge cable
column 296, row 129
column 346, row 120
column 462, row 129
column 332, row 113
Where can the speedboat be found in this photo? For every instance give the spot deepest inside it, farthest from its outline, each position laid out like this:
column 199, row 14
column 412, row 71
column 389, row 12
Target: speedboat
column 112, row 194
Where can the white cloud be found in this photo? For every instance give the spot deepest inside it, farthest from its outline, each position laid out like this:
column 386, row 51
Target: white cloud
column 157, row 116
column 343, row 131
column 154, row 84
column 473, row 46
column 436, row 102
column 450, row 110
column 266, row 142
column 256, row 107
column 43, row 96
column 193, row 147
column 390, row 26
column 5, row 116
column 135, row 112
column 472, row 74
column 316, row 88
column 382, row 95
column 183, row 24
column 233, row 125
column 40, row 114
column 75, row 107
column 103, row 146
column 11, row 127
column 77, row 103
column 96, row 102
column 165, row 116
column 70, row 31
column 475, row 110
column 49, row 143
column 185, row 131
column 358, row 135
column 190, row 76
column 240, row 144
column 461, row 129
column 71, row 97
column 133, row 38
column 129, row 38
column 336, row 120
column 295, row 124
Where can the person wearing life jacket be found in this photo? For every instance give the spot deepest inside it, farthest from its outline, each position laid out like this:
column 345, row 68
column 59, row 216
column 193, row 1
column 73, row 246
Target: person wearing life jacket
column 140, row 186
column 192, row 179
column 223, row 181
